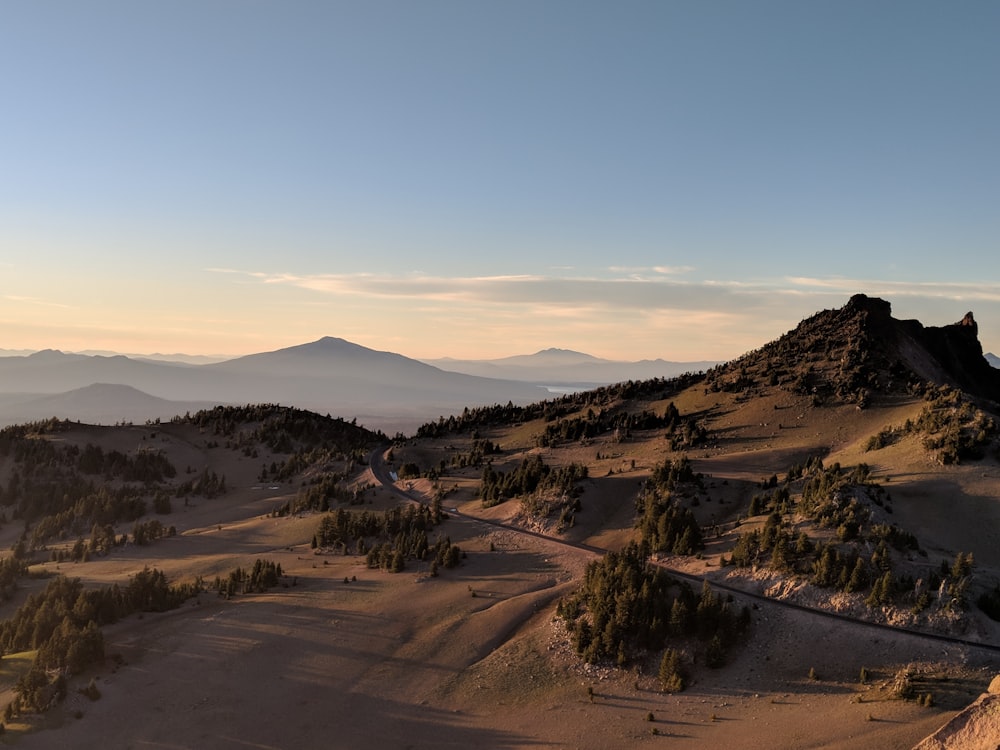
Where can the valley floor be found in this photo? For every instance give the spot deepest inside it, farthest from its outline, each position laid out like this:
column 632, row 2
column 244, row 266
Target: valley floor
column 472, row 657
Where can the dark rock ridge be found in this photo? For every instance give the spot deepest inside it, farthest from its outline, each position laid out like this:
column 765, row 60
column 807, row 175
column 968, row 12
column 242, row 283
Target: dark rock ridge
column 860, row 351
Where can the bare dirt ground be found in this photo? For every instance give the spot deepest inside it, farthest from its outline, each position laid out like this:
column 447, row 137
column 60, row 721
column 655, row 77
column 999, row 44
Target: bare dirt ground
column 471, row 657
column 476, row 656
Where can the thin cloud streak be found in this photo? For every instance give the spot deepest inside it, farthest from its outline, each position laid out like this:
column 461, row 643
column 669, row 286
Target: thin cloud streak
column 36, row 301
column 985, row 291
column 615, row 291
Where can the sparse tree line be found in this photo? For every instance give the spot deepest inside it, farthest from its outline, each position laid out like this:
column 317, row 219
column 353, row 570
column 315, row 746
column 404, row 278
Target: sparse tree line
column 324, row 490
column 264, row 575
column 388, row 539
column 104, row 538
column 62, row 624
column 541, row 488
column 603, row 421
column 51, row 485
column 627, row 608
column 954, row 429
column 550, row 410
column 860, row 558
column 681, row 432
column 28, row 447
column 282, row 429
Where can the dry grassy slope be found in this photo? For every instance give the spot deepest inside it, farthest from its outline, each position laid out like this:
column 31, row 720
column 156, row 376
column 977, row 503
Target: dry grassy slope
column 751, row 439
column 474, row 656
column 752, row 436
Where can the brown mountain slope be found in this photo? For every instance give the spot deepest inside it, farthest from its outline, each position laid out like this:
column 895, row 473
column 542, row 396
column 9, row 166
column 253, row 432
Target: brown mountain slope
column 860, row 351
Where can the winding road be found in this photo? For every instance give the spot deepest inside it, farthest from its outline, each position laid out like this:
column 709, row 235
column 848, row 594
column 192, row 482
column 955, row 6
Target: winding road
column 380, row 472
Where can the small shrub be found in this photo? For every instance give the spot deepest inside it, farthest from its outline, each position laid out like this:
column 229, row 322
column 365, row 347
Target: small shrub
column 91, row 691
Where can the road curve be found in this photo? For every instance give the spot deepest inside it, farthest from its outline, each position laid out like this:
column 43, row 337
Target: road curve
column 376, row 463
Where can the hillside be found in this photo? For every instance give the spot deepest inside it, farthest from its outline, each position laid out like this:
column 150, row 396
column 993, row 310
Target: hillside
column 100, row 403
column 848, row 467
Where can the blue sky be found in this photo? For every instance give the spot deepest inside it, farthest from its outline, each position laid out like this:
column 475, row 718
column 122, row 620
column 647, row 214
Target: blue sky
column 684, row 180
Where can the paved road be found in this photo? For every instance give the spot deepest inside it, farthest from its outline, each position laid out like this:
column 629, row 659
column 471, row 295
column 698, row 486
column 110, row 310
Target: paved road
column 376, row 462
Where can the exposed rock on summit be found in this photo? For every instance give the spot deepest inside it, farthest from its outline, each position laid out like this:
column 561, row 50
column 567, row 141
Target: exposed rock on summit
column 859, row 351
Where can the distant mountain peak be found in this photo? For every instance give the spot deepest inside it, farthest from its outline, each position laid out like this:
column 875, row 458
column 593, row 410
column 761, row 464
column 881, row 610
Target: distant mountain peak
column 553, row 352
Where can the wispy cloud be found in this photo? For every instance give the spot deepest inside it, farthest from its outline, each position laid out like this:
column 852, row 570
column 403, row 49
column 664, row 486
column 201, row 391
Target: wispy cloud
column 36, row 301
column 958, row 291
column 622, row 288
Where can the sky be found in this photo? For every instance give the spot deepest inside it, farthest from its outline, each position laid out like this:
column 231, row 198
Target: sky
column 684, row 179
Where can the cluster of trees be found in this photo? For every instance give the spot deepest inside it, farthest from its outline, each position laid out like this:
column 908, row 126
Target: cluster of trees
column 282, row 429
column 11, row 569
column 208, row 485
column 478, row 453
column 860, row 558
column 665, row 524
column 52, row 484
column 147, row 466
column 102, row 540
column 603, row 421
column 73, row 515
column 264, row 575
column 149, row 531
column 388, row 539
column 532, row 476
column 62, row 623
column 626, row 608
column 668, row 527
column 344, row 529
column 833, row 498
column 954, row 430
column 480, row 417
column 392, row 556
column 319, row 494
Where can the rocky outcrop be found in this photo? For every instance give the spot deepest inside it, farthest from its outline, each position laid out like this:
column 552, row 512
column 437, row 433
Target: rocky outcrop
column 860, row 350
column 975, row 728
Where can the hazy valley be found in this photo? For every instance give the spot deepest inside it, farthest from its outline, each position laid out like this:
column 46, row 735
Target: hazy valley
column 797, row 548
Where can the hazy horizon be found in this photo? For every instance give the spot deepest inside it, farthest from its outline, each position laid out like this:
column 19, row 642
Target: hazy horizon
column 642, row 180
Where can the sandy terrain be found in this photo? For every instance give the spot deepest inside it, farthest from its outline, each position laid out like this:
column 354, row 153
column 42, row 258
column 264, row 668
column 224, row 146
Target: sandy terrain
column 475, row 656
column 471, row 657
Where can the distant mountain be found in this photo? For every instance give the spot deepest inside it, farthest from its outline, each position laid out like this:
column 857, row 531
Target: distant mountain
column 100, row 403
column 177, row 359
column 564, row 367
column 993, row 359
column 381, row 389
